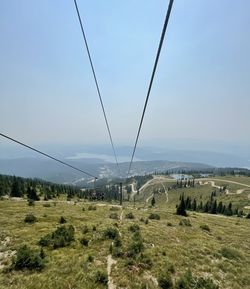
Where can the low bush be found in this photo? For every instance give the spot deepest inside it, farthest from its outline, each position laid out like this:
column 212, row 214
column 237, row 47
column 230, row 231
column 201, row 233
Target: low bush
column 188, row 281
column 130, row 216
column 62, row 220
column 27, row 259
column 230, row 253
column 61, row 237
column 169, row 224
column 205, row 228
column 31, row 202
column 137, row 246
column 101, row 277
column 153, row 216
column 145, row 262
column 185, row 222
column 92, row 208
column 113, row 216
column 165, row 281
column 90, row 258
column 110, row 233
column 30, row 218
column 134, row 228
column 84, row 242
column 47, row 205
column 248, row 216
column 85, row 229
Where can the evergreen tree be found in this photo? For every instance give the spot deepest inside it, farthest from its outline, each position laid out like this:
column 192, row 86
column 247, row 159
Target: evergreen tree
column 219, row 208
column 214, row 207
column 229, row 211
column 153, row 202
column 16, row 188
column 194, row 205
column 31, row 194
column 181, row 208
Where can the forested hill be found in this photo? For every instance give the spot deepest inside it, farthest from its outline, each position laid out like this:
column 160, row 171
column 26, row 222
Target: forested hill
column 34, row 188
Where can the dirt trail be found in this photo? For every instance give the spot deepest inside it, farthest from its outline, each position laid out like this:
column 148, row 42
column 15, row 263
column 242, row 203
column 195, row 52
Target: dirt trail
column 121, row 216
column 110, row 262
column 212, row 182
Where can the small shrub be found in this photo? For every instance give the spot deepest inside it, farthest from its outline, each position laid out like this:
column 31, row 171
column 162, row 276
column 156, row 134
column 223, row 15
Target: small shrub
column 185, row 222
column 165, row 281
column 42, row 253
column 248, row 216
column 171, row 268
column 30, row 218
column 85, row 229
column 117, row 252
column 62, row 220
column 153, row 216
column 101, row 277
column 94, row 228
column 146, row 221
column 205, row 228
column 188, row 281
column 90, row 258
column 83, row 209
column 137, row 246
column 117, row 242
column 169, row 224
column 47, row 205
column 134, row 228
column 111, row 233
column 92, row 208
column 61, row 237
column 185, row 281
column 130, row 216
column 31, row 202
column 27, row 259
column 142, row 220
column 145, row 262
column 113, row 216
column 230, row 253
column 84, row 242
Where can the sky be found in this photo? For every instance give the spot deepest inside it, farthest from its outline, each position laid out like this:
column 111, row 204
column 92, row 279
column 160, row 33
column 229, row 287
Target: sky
column 201, row 92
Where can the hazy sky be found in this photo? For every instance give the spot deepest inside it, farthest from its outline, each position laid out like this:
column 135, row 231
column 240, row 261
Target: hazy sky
column 201, row 90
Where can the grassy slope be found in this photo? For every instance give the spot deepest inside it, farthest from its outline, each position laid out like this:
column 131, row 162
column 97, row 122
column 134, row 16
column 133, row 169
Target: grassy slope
column 184, row 247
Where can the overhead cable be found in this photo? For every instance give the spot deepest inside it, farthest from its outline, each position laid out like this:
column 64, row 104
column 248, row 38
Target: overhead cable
column 96, row 83
column 48, row 156
column 152, row 79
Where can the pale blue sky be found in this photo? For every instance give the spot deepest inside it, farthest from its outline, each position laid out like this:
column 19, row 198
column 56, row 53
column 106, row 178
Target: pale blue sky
column 201, row 90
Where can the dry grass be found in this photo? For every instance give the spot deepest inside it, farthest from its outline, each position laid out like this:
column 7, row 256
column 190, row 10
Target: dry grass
column 179, row 247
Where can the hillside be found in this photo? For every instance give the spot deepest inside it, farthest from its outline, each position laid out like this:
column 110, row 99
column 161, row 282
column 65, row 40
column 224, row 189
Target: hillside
column 134, row 246
column 48, row 170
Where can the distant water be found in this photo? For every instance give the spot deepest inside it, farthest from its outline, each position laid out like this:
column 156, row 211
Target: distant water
column 182, row 177
column 103, row 157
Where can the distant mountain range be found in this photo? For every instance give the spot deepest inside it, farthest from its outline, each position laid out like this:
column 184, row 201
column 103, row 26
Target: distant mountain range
column 51, row 171
column 98, row 160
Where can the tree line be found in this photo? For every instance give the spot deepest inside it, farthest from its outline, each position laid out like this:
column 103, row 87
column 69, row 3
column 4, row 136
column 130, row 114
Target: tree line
column 34, row 189
column 211, row 206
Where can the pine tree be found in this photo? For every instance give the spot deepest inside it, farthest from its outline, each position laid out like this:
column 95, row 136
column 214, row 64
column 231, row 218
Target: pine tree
column 194, row 205
column 31, row 194
column 181, row 209
column 219, row 208
column 214, row 207
column 153, row 202
column 16, row 188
